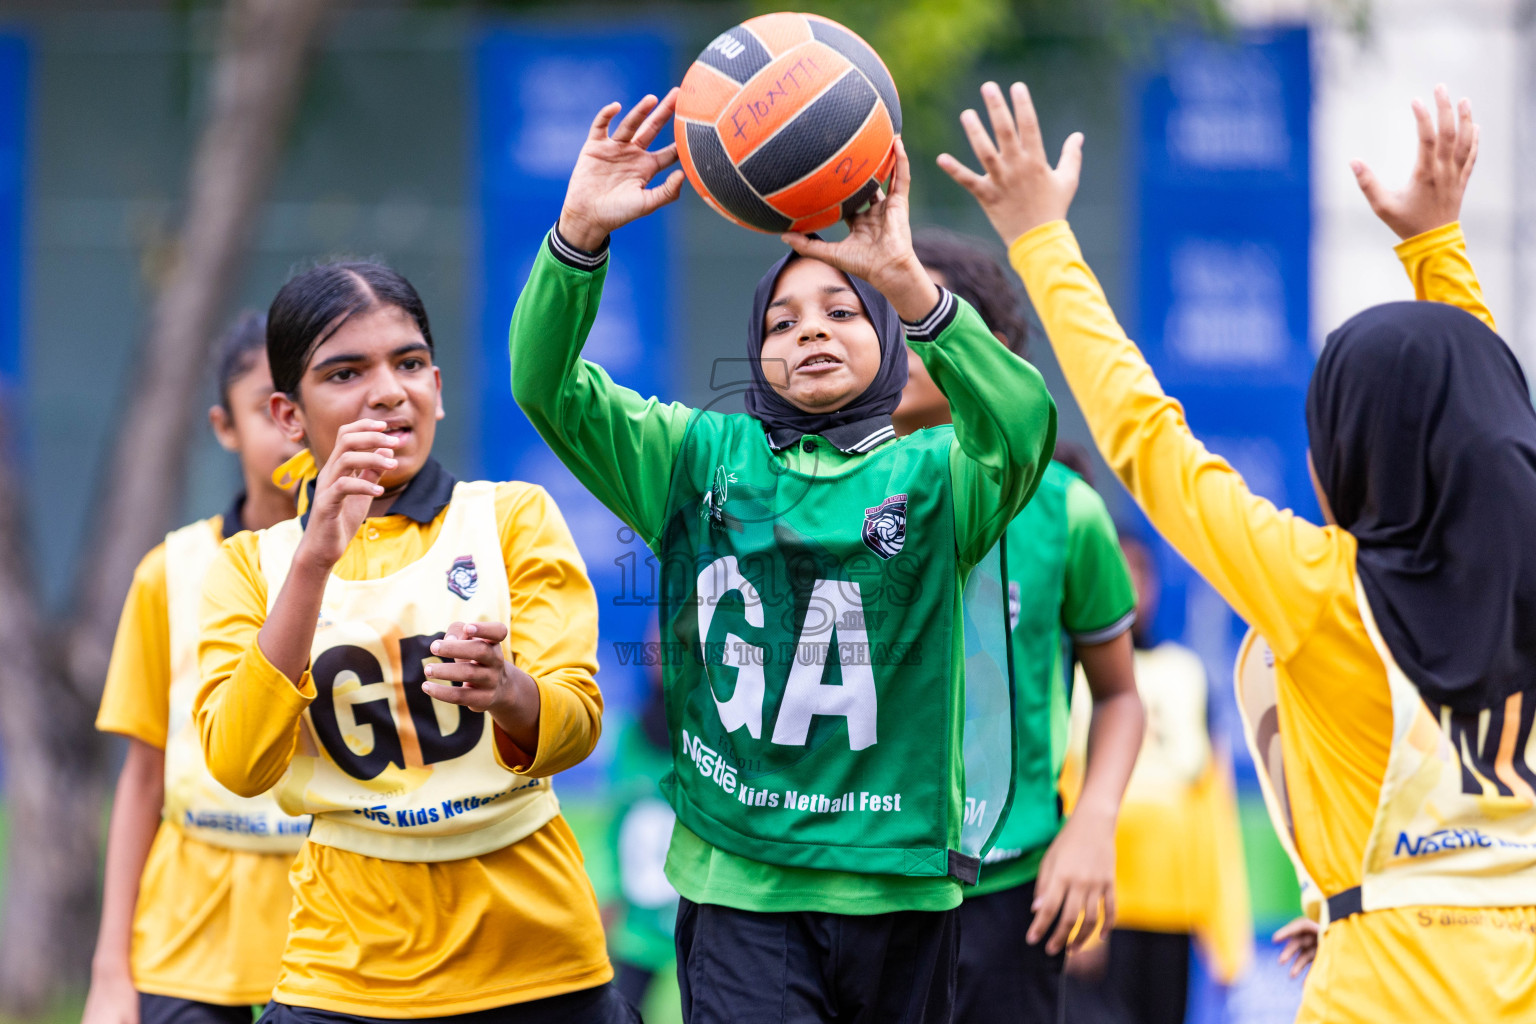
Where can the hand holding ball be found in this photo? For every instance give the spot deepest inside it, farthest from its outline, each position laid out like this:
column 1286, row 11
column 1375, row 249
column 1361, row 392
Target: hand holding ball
column 788, row 122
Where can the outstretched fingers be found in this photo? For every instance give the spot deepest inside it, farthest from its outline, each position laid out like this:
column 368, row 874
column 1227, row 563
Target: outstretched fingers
column 1070, row 163
column 1002, row 118
column 961, row 174
column 981, row 142
column 663, row 158
column 625, row 130
column 1466, row 131
column 657, row 120
column 1426, row 128
column 1445, row 122
column 1370, row 187
column 666, row 192
column 901, row 178
column 1028, row 121
column 600, row 123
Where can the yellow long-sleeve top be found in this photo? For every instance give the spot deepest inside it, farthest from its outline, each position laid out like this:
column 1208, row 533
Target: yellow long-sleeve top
column 387, row 938
column 209, row 922
column 1294, row 582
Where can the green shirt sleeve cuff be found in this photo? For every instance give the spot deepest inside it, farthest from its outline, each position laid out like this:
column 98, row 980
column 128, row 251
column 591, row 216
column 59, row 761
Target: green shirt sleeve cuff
column 576, row 259
column 938, row 319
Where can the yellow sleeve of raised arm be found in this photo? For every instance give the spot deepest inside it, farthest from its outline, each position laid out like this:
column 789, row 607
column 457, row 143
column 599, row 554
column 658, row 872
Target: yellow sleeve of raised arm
column 553, row 632
column 1438, row 265
column 136, row 700
column 247, row 711
column 1272, row 567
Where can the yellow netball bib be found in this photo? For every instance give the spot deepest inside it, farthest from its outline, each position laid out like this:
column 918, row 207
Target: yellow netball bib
column 1456, row 822
column 194, row 801
column 386, row 770
column 1456, row 825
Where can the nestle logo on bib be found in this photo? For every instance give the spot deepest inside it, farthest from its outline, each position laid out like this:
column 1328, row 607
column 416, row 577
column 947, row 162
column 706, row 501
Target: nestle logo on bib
column 462, row 577
column 885, row 526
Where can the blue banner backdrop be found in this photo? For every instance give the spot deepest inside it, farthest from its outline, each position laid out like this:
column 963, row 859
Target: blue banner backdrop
column 1222, row 166
column 537, row 93
column 13, row 180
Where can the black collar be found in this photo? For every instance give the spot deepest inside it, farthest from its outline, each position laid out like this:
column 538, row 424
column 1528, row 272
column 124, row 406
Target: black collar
column 233, row 522
column 427, row 494
column 854, row 438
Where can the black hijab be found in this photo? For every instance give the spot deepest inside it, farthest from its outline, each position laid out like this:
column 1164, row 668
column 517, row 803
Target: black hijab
column 864, row 419
column 1424, row 440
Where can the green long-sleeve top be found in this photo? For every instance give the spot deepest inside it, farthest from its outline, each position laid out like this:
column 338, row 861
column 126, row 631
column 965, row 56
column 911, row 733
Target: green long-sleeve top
column 623, row 446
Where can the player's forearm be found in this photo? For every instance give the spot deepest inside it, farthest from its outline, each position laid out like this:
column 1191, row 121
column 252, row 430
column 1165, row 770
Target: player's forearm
column 619, row 444
column 288, row 635
column 1265, row 562
column 1116, row 727
column 136, row 812
column 1441, row 271
column 550, row 324
column 1004, row 419
column 248, row 722
column 569, row 724
column 1114, row 738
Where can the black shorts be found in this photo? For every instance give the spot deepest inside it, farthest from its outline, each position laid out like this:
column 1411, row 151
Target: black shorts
column 1146, row 981
column 745, row 967
column 171, row 1010
column 1003, row 977
column 601, row 1005
column 632, row 981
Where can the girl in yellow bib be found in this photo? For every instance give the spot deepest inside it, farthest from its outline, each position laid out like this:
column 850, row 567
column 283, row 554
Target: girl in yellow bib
column 410, row 661
column 196, row 897
column 1404, row 632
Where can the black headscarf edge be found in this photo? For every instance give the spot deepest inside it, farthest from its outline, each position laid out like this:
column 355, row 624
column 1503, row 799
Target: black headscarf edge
column 880, row 398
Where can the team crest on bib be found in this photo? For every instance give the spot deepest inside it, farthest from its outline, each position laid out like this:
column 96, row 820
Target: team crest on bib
column 885, row 526
column 713, row 506
column 462, row 577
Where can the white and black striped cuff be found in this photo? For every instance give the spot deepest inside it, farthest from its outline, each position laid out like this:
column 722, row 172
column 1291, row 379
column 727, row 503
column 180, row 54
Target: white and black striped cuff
column 938, row 318
column 1108, row 633
column 571, row 256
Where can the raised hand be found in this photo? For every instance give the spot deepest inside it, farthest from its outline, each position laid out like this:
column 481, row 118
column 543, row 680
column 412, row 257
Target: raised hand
column 1019, row 189
column 345, row 489
column 879, row 248
column 607, row 188
column 1447, row 153
column 474, row 674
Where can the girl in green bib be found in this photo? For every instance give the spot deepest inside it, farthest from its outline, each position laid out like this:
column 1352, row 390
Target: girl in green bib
column 812, row 566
